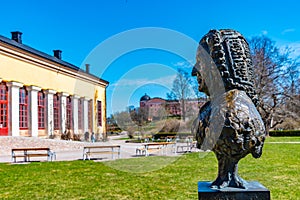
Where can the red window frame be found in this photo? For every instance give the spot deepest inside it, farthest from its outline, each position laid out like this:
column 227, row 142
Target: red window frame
column 3, row 109
column 99, row 113
column 90, row 114
column 23, row 108
column 56, row 112
column 80, row 114
column 69, row 113
column 41, row 110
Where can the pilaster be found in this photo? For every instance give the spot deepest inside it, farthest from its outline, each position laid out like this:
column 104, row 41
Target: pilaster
column 49, row 111
column 75, row 113
column 33, row 110
column 63, row 110
column 85, row 113
column 14, row 93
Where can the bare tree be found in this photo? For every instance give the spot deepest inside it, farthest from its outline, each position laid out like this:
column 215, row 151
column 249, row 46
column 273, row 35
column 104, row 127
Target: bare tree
column 292, row 92
column 181, row 89
column 139, row 116
column 271, row 68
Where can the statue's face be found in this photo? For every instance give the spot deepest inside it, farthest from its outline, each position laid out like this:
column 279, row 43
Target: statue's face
column 202, row 87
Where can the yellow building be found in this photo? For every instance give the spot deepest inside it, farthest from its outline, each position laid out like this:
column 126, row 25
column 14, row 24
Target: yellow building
column 42, row 95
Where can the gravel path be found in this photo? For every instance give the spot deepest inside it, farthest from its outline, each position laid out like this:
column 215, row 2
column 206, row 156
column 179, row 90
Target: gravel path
column 66, row 150
column 7, row 143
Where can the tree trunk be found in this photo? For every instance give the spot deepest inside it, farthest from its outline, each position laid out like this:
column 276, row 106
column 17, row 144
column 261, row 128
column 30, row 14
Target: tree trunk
column 183, row 109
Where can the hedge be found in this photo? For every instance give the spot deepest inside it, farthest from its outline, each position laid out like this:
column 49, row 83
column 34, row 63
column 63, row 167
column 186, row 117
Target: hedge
column 278, row 133
column 275, row 133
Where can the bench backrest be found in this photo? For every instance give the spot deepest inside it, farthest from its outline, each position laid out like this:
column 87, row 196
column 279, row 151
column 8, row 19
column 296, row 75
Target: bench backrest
column 102, row 147
column 31, row 149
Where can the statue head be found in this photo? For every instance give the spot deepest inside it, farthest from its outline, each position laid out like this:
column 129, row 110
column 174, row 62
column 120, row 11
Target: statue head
column 232, row 59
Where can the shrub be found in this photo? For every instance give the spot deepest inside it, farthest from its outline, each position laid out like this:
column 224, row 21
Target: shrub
column 171, row 126
column 68, row 135
column 76, row 137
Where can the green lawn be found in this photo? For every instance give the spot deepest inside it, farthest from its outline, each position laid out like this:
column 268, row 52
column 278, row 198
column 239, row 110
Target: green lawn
column 278, row 170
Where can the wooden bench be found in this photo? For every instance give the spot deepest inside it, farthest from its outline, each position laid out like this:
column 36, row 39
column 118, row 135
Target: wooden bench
column 188, row 146
column 94, row 150
column 154, row 147
column 27, row 153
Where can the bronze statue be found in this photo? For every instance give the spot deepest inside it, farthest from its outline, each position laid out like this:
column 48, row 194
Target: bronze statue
column 229, row 123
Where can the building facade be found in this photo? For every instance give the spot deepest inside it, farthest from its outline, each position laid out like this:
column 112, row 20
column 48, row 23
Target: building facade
column 158, row 107
column 42, row 95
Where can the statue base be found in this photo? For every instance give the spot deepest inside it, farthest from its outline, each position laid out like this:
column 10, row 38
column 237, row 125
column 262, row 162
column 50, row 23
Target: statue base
column 254, row 191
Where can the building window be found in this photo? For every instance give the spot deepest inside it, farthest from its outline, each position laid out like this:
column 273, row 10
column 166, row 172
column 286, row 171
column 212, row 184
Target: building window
column 56, row 112
column 41, row 110
column 80, row 114
column 99, row 112
column 3, row 109
column 90, row 115
column 23, row 108
column 69, row 113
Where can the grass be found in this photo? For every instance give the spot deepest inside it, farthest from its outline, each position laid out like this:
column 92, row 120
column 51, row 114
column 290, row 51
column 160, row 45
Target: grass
column 144, row 178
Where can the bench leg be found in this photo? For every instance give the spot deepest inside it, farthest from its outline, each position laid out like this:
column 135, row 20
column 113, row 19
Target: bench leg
column 86, row 156
column 52, row 156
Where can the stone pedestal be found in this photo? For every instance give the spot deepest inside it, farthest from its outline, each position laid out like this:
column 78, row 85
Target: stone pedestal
column 254, row 191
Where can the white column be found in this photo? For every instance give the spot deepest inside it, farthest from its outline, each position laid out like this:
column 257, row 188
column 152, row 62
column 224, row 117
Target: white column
column 85, row 111
column 49, row 111
column 33, row 110
column 75, row 113
column 63, row 110
column 14, row 93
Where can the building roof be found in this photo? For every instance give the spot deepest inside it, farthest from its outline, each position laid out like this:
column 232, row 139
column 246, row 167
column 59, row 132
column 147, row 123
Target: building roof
column 156, row 100
column 46, row 56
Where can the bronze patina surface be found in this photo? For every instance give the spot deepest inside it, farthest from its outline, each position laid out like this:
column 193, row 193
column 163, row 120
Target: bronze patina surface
column 233, row 108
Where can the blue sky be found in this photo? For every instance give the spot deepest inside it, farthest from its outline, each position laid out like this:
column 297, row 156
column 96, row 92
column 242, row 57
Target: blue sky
column 80, row 27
